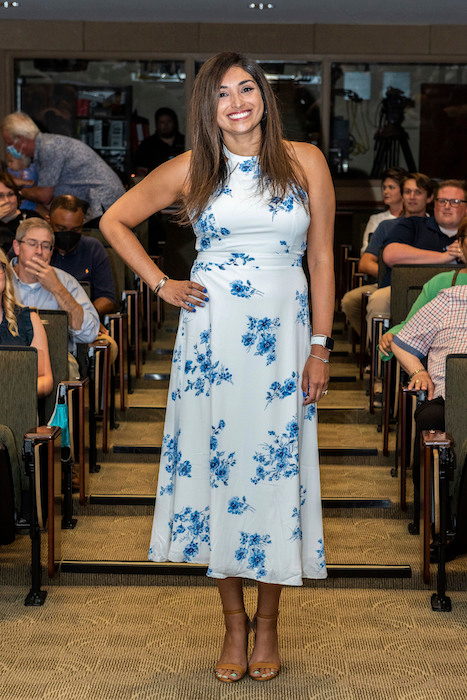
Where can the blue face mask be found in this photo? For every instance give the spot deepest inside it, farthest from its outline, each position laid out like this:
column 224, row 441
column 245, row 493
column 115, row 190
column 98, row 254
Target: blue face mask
column 13, row 152
column 59, row 417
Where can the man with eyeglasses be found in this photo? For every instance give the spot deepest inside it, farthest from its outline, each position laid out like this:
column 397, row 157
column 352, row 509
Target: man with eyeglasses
column 424, row 240
column 419, row 241
column 41, row 286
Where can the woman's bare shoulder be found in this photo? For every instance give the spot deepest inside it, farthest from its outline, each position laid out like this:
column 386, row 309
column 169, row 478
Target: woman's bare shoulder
column 305, row 153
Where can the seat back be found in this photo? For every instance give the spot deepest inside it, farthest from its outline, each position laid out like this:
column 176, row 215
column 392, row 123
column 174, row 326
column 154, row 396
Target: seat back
column 406, row 284
column 456, row 415
column 56, row 327
column 18, row 391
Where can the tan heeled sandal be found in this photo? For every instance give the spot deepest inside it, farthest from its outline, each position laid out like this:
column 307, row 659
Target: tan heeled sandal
column 254, row 669
column 235, row 671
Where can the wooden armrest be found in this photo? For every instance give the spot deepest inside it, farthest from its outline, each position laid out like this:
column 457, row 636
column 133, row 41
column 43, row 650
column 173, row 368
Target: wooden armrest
column 43, row 433
column 436, row 438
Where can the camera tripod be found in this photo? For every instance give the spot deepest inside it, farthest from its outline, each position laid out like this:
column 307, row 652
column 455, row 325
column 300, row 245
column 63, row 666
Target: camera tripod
column 389, row 141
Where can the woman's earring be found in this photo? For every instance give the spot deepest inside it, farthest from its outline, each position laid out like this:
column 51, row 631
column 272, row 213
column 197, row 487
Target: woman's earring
column 265, row 115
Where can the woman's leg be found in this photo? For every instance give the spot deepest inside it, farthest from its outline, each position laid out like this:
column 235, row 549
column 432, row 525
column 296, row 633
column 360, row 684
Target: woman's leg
column 234, row 650
column 266, row 641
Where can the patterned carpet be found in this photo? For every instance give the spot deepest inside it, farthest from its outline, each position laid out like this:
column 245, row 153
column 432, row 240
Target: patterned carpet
column 161, row 642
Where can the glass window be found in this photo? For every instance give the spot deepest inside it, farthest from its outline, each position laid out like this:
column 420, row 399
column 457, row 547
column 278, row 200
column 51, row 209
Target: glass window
column 109, row 105
column 385, row 114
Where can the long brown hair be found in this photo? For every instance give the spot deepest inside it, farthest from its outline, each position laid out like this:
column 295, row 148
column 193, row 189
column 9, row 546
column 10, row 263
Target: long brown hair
column 279, row 170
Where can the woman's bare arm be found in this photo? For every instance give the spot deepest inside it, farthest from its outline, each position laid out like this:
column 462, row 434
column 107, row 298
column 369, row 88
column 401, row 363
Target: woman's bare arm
column 45, row 380
column 320, row 257
column 161, row 188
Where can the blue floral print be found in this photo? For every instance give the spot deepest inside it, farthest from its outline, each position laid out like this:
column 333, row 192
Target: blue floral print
column 280, row 391
column 252, row 547
column 237, row 506
column 310, row 412
column 191, row 526
column 220, row 465
column 175, row 464
column 261, row 332
column 235, row 259
column 243, row 289
column 297, row 532
column 279, row 458
column 277, row 204
column 206, row 229
column 202, row 367
column 250, row 166
column 303, row 314
column 320, row 553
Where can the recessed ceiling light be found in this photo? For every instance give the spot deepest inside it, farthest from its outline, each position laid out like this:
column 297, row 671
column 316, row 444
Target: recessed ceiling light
column 9, row 4
column 261, row 6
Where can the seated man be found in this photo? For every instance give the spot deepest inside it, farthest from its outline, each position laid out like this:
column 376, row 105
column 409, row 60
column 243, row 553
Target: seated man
column 41, row 286
column 438, row 329
column 417, row 193
column 430, row 289
column 424, row 241
column 83, row 257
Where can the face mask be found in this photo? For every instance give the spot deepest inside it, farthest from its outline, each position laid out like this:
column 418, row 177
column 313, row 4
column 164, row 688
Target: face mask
column 13, row 152
column 66, row 240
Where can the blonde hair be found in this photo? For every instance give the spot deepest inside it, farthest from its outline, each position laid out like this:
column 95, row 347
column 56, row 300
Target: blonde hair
column 9, row 297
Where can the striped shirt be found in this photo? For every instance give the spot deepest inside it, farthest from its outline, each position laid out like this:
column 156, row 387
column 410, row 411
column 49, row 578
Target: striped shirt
column 438, row 329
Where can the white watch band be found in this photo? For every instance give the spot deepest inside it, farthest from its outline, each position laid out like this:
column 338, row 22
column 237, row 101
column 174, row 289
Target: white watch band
column 318, row 340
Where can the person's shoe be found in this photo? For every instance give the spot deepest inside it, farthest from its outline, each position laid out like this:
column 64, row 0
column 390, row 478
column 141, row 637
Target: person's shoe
column 229, row 672
column 255, row 668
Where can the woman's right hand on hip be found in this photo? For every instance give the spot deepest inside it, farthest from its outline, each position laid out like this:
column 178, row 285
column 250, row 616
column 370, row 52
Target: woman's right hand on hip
column 184, row 293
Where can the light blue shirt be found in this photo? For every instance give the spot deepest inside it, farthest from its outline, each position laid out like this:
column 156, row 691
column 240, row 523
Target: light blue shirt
column 38, row 297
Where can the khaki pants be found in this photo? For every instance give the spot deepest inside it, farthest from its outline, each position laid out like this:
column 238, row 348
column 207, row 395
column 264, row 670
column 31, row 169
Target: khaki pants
column 352, row 304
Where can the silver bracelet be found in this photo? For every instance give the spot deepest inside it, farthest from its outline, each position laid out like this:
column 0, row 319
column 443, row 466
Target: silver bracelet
column 326, row 362
column 158, row 287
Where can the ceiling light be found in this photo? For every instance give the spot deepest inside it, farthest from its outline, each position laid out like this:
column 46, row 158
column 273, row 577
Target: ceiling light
column 261, row 6
column 9, row 4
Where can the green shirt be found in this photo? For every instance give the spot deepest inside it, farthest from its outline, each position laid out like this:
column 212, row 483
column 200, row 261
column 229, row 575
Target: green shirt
column 429, row 291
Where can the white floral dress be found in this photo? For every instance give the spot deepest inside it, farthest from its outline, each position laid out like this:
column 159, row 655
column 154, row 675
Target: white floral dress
column 239, row 486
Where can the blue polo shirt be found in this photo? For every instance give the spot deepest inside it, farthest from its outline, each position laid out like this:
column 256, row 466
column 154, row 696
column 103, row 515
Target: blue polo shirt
column 89, row 262
column 417, row 231
column 420, row 232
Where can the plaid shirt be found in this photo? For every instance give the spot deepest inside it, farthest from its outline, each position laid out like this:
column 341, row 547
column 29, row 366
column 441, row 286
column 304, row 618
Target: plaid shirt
column 438, row 329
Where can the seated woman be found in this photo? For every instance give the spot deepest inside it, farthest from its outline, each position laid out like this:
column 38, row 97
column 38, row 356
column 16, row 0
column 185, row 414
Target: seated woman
column 430, row 290
column 391, row 187
column 438, row 329
column 19, row 326
column 10, row 213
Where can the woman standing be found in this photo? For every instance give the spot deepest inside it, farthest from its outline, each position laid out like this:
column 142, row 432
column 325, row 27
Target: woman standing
column 239, row 477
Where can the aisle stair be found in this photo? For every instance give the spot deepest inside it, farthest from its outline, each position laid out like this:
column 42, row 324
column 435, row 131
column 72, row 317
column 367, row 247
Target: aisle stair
column 365, row 531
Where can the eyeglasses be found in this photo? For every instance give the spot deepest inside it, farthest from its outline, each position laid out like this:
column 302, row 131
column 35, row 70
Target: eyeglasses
column 32, row 243
column 452, row 202
column 7, row 195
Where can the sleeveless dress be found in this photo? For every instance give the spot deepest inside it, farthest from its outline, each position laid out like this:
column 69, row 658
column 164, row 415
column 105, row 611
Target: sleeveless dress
column 239, row 486
column 25, row 329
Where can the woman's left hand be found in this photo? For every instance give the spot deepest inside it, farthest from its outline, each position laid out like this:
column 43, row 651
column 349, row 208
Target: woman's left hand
column 315, row 379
